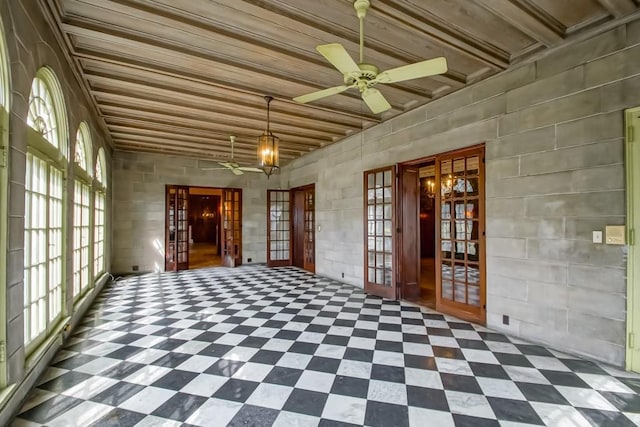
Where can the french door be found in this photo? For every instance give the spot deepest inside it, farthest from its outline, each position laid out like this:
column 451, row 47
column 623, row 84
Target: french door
column 231, row 227
column 177, row 228
column 309, row 240
column 379, row 226
column 291, row 225
column 279, row 226
column 460, row 257
column 392, row 230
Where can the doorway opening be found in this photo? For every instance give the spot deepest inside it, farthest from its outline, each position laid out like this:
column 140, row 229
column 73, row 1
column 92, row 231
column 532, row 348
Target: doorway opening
column 203, row 227
column 427, row 233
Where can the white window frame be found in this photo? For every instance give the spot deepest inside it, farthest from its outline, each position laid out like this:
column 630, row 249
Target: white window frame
column 5, row 107
column 82, row 218
column 45, row 205
column 99, row 215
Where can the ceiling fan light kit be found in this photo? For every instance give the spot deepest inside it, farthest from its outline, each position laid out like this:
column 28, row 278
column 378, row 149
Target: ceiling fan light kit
column 363, row 76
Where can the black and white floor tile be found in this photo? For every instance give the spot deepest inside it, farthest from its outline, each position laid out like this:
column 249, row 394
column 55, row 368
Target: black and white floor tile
column 281, row 347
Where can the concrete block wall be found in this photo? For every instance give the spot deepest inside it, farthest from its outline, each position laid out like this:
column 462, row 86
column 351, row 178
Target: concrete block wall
column 32, row 45
column 139, row 182
column 553, row 131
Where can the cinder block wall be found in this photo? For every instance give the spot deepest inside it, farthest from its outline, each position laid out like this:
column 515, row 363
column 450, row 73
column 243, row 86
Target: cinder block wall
column 139, row 181
column 553, row 131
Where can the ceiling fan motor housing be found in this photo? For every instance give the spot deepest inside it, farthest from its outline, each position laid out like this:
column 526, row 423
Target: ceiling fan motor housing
column 365, row 78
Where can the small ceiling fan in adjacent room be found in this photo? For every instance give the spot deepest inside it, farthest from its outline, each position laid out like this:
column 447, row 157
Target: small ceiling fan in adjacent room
column 233, row 166
column 364, row 76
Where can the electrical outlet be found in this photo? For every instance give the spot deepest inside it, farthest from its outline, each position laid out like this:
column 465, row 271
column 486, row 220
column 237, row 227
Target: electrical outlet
column 135, row 268
column 505, row 319
column 343, row 275
column 248, row 259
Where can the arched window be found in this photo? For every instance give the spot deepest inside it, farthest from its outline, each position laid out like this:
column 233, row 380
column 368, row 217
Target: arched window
column 82, row 153
column 100, row 186
column 81, row 212
column 47, row 115
column 44, row 261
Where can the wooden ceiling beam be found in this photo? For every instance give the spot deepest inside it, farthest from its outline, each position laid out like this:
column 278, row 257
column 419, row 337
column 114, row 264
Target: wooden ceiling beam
column 279, row 111
column 176, row 144
column 147, row 126
column 618, row 8
column 254, row 113
column 183, row 58
column 304, row 142
column 441, row 33
column 261, row 13
column 185, row 113
column 324, row 30
column 214, row 145
column 95, row 58
column 133, row 146
column 526, row 22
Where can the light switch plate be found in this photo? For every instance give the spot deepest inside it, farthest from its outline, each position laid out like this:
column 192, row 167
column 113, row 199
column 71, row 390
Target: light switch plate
column 597, row 236
column 615, row 235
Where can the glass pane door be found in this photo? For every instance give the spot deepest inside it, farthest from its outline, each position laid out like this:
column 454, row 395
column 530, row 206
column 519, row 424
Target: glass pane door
column 309, row 230
column 232, row 227
column 177, row 228
column 182, row 212
column 461, row 231
column 379, row 208
column 279, row 225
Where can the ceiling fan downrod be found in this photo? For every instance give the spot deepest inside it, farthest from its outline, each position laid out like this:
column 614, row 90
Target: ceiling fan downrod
column 361, row 7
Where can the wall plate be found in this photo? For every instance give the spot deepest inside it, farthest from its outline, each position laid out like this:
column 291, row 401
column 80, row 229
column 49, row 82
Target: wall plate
column 615, row 235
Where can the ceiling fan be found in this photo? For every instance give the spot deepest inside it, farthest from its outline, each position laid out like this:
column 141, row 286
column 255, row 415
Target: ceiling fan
column 233, row 165
column 364, row 76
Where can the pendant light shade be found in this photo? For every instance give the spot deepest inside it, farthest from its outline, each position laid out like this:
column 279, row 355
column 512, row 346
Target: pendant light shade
column 268, row 153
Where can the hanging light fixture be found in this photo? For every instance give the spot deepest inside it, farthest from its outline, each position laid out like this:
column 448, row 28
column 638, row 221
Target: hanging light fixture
column 268, row 155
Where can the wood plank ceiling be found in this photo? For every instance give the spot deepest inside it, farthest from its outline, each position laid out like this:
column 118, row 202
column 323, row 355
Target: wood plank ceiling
column 180, row 76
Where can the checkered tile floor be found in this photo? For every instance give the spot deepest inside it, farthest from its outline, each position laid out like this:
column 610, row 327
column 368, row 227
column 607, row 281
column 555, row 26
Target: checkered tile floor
column 258, row 347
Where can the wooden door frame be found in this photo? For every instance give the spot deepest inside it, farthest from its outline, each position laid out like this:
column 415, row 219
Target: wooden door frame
column 399, row 212
column 284, row 262
column 482, row 238
column 167, row 189
column 632, row 166
column 461, row 310
column 402, row 284
column 236, row 260
column 292, row 209
column 303, row 189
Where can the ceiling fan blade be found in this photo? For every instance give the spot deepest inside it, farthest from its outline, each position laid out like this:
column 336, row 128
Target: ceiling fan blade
column 237, row 171
column 250, row 169
column 303, row 99
column 226, row 165
column 427, row 68
column 339, row 58
column 213, row 169
column 375, row 101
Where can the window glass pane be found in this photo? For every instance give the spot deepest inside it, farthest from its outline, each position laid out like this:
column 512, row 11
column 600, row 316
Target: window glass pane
column 44, row 247
column 41, row 116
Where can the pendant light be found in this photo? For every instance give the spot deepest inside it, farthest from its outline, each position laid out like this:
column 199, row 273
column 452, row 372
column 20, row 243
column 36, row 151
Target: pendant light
column 268, row 156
